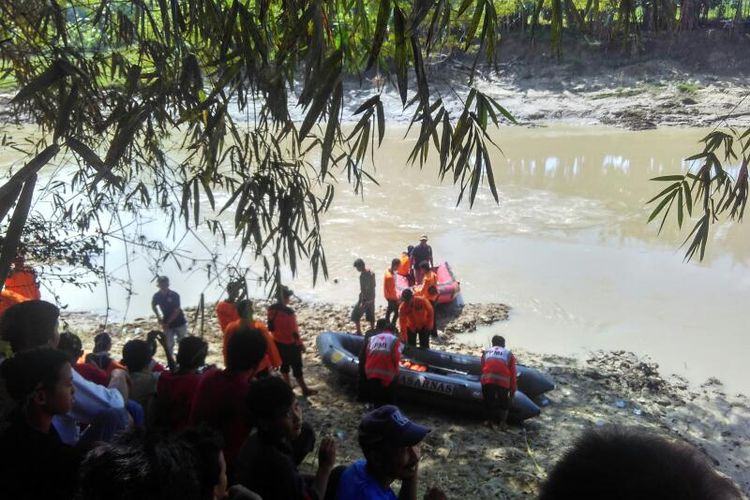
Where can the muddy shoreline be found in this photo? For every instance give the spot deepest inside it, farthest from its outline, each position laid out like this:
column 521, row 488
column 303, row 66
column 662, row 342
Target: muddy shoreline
column 468, row 460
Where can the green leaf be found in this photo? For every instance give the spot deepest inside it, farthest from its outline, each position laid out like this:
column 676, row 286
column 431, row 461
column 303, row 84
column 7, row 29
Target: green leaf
column 661, row 205
column 669, row 178
column 381, row 29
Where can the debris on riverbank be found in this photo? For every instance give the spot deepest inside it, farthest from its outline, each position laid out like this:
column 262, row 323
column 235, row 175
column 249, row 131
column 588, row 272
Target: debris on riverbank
column 471, row 461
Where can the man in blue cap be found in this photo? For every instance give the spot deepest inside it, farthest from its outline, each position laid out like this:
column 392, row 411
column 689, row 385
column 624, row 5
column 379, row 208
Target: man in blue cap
column 390, row 444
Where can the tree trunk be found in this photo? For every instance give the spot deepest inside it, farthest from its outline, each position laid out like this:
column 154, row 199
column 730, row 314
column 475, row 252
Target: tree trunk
column 15, row 229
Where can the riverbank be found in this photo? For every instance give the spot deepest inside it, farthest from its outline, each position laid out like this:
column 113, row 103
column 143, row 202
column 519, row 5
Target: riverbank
column 468, row 460
column 693, row 79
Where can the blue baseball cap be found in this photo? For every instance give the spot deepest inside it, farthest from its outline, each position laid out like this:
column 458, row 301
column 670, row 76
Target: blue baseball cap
column 388, row 426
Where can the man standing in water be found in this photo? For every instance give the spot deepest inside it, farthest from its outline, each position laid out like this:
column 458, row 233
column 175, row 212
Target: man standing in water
column 169, row 313
column 421, row 253
column 366, row 303
column 498, row 381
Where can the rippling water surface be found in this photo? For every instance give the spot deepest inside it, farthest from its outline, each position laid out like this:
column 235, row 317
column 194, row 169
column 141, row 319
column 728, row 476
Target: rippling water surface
column 567, row 247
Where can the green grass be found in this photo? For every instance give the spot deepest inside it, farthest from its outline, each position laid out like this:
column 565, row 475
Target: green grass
column 688, row 87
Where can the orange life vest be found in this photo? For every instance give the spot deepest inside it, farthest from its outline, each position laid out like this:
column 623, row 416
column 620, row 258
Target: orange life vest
column 429, row 280
column 405, row 266
column 23, row 283
column 382, row 357
column 499, row 368
column 415, row 316
column 389, row 286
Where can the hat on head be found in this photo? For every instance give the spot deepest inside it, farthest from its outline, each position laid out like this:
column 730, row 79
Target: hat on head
column 423, row 237
column 388, row 426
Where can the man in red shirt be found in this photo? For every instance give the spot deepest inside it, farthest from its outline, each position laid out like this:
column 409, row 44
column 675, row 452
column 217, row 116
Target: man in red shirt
column 282, row 322
column 219, row 401
column 498, row 381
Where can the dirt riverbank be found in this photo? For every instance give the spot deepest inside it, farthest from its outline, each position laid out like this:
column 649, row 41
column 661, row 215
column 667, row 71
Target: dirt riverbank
column 469, row 461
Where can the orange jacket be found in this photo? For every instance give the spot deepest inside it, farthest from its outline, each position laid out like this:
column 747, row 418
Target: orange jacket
column 272, row 358
column 416, row 315
column 23, row 283
column 226, row 312
column 405, row 266
column 389, row 285
column 429, row 279
column 283, row 323
column 499, row 368
column 383, row 355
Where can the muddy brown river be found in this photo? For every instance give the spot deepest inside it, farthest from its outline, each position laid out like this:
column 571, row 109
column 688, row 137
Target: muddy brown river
column 567, row 247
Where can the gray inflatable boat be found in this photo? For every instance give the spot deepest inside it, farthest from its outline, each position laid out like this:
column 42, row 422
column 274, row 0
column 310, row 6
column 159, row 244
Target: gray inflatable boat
column 451, row 380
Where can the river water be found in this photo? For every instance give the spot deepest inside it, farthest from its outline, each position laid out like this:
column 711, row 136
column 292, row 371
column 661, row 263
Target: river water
column 567, row 247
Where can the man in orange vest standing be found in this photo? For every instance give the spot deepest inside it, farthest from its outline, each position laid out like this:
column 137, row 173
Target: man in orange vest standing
column 390, row 293
column 416, row 319
column 498, row 381
column 382, row 355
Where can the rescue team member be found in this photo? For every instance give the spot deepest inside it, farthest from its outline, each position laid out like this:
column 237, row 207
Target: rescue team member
column 429, row 292
column 421, row 253
column 498, row 381
column 380, row 356
column 366, row 303
column 272, row 359
column 404, row 267
column 20, row 285
column 390, row 444
column 416, row 318
column 171, row 319
column 226, row 310
column 390, row 293
column 282, row 321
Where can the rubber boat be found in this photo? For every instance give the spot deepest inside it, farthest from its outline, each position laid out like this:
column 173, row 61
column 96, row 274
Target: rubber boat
column 451, row 381
column 448, row 286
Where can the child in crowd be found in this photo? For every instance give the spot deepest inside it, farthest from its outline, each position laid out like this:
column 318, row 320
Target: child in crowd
column 136, row 356
column 40, row 380
column 176, row 389
column 267, row 464
column 71, row 345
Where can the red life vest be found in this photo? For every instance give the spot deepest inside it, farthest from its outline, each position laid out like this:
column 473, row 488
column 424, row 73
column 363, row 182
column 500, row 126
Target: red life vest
column 498, row 367
column 382, row 357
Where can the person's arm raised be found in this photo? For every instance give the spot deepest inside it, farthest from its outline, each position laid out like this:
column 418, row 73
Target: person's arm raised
column 326, row 461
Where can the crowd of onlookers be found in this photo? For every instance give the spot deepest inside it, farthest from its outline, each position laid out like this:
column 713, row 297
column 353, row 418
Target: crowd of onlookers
column 99, row 425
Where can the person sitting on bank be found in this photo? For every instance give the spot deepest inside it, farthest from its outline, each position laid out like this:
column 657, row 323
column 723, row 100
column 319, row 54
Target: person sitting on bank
column 176, row 389
column 390, row 444
column 421, row 253
column 390, row 293
column 282, row 321
column 34, row 462
column 416, row 319
column 498, row 381
column 136, row 356
column 219, row 400
column 100, row 355
column 379, row 360
column 100, row 411
column 632, row 465
column 272, row 359
column 267, row 463
column 366, row 303
column 166, row 306
column 71, row 345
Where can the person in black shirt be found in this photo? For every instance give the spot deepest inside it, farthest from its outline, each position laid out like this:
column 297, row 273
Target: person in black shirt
column 366, row 303
column 41, row 382
column 268, row 460
column 421, row 253
column 171, row 318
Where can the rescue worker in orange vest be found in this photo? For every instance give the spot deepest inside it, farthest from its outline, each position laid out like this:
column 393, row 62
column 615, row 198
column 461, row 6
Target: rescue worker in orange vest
column 404, row 266
column 22, row 280
column 226, row 310
column 390, row 293
column 498, row 381
column 416, row 319
column 429, row 292
column 282, row 321
column 380, row 356
column 272, row 359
